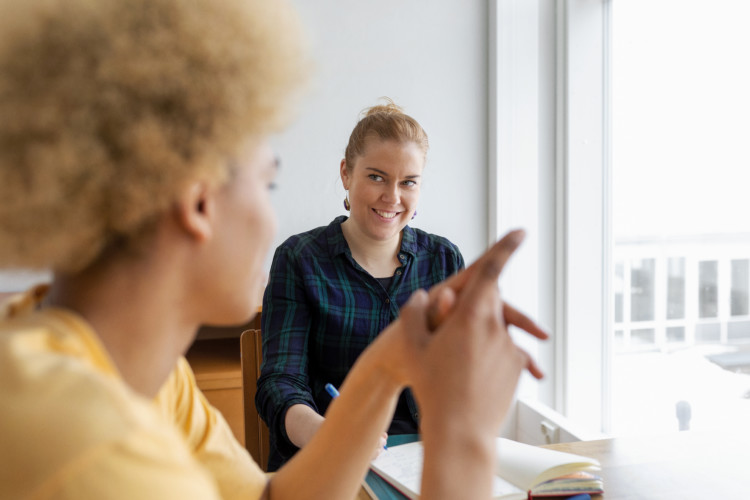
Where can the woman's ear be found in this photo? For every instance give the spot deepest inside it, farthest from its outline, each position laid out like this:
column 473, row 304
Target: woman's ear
column 344, row 174
column 195, row 210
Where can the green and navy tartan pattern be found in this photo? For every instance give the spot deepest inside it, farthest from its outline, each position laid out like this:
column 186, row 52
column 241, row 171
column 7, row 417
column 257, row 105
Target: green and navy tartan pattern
column 321, row 310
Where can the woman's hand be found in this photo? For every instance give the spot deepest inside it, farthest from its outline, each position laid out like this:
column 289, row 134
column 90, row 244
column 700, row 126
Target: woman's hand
column 382, row 442
column 467, row 290
column 442, row 302
column 462, row 361
column 463, row 368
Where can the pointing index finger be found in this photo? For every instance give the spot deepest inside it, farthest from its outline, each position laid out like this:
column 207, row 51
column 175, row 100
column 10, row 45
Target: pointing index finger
column 487, row 271
column 491, row 264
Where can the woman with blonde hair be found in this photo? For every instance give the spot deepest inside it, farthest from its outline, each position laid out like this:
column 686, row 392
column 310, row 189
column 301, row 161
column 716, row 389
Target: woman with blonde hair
column 134, row 164
column 334, row 288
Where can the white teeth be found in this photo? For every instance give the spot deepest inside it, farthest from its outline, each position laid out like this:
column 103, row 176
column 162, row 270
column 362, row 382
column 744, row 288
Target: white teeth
column 386, row 215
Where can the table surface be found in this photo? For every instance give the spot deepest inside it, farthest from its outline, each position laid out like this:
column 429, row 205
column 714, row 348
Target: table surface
column 685, row 465
column 680, row 466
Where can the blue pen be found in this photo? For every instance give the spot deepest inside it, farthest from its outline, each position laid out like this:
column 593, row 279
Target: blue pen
column 330, row 389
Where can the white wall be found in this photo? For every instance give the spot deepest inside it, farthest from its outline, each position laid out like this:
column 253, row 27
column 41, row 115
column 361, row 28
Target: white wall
column 431, row 58
column 13, row 281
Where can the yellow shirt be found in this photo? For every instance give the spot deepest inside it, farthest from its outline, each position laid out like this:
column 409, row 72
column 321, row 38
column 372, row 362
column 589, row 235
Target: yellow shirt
column 70, row 428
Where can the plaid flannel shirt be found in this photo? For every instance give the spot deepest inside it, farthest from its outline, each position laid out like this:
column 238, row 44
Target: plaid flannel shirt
column 321, row 310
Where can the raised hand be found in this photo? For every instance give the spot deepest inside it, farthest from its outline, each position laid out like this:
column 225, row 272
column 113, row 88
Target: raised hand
column 464, row 367
column 441, row 303
column 460, row 347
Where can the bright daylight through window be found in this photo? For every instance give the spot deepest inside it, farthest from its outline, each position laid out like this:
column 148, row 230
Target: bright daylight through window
column 680, row 213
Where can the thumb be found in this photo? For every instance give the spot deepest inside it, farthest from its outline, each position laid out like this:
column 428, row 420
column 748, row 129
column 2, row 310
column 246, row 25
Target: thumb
column 440, row 305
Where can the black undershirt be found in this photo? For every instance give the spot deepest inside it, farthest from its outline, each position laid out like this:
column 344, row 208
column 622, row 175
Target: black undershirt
column 403, row 422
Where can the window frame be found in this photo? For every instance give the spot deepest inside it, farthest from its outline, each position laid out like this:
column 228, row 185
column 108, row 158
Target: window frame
column 550, row 173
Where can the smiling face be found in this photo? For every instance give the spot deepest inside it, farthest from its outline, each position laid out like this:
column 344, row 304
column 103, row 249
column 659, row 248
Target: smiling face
column 383, row 187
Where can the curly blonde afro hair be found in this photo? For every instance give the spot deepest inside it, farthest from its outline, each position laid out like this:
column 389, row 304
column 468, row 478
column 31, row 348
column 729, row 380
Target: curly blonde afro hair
column 109, row 107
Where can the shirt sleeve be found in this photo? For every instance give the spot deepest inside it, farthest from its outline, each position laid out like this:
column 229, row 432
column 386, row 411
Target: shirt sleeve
column 208, row 436
column 460, row 264
column 284, row 380
column 448, row 259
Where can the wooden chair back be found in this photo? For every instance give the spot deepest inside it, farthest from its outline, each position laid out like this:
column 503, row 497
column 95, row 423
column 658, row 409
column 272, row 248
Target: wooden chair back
column 256, row 431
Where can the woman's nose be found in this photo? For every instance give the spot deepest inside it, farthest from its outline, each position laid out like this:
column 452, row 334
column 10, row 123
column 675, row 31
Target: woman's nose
column 391, row 194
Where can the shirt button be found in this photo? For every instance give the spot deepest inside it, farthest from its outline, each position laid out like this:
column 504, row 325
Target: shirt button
column 400, row 256
column 398, row 273
column 387, row 301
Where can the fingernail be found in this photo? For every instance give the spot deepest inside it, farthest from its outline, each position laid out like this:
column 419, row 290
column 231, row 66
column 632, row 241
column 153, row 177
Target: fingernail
column 517, row 236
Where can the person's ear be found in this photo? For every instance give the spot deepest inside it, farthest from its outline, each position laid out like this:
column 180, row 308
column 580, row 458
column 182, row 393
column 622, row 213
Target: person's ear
column 195, row 210
column 344, row 174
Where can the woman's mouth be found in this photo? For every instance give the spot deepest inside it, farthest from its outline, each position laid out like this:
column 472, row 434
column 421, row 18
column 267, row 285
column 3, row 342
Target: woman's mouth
column 384, row 214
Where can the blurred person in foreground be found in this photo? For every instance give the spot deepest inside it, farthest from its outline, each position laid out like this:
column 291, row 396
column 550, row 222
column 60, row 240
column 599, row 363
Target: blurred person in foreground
column 134, row 164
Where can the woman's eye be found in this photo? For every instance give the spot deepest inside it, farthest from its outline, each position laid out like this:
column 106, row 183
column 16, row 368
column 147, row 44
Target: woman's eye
column 375, row 177
column 410, row 183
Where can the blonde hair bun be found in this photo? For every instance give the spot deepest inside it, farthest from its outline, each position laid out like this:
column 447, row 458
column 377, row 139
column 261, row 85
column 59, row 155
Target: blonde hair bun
column 389, row 108
column 385, row 122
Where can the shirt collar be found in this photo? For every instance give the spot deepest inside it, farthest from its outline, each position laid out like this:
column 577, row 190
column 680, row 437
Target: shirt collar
column 337, row 242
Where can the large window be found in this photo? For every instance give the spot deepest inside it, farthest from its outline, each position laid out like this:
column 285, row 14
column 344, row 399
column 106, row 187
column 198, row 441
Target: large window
column 680, row 227
column 621, row 127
